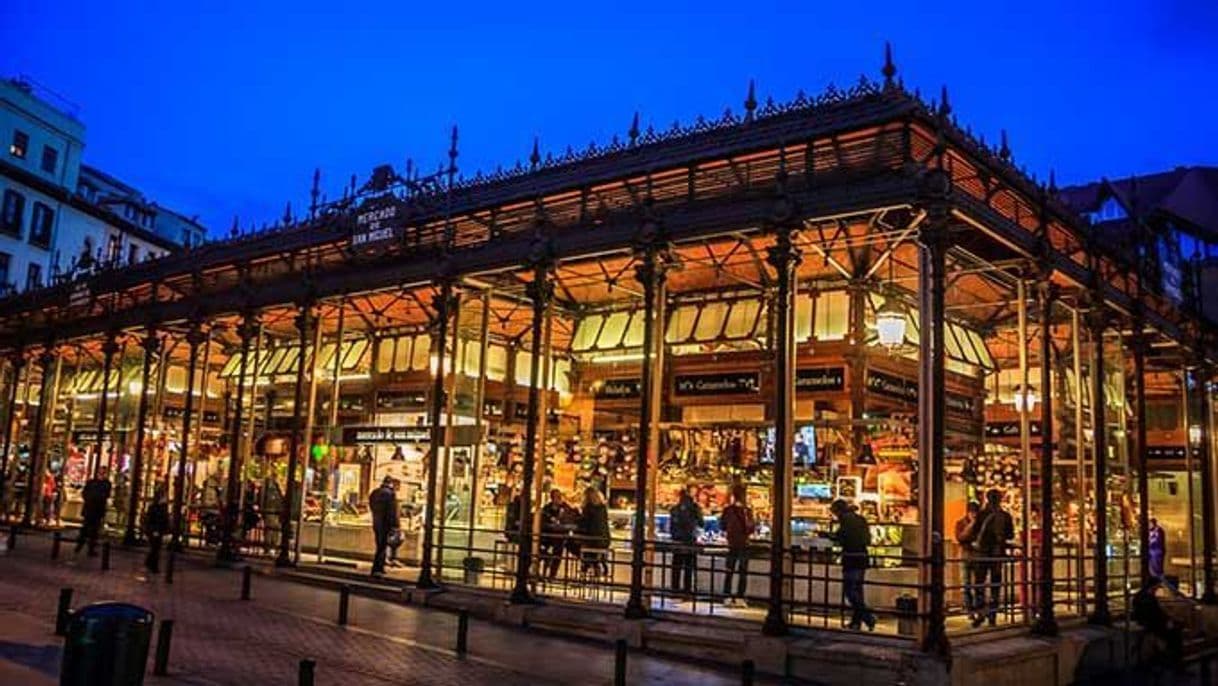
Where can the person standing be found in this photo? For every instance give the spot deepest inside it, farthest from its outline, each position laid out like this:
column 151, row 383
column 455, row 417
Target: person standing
column 554, row 522
column 738, row 524
column 1157, row 548
column 685, row 519
column 383, row 503
column 966, row 537
column 853, row 535
column 95, row 494
column 594, row 532
column 995, row 529
column 156, row 525
column 49, row 489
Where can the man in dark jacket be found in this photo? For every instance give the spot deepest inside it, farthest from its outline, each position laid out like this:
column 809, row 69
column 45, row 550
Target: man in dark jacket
column 853, row 535
column 737, row 524
column 556, row 522
column 994, row 529
column 156, row 525
column 685, row 518
column 383, row 503
column 95, row 495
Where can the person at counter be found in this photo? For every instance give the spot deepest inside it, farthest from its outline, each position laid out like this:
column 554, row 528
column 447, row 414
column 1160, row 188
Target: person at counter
column 738, row 525
column 994, row 529
column 685, row 518
column 853, row 535
column 557, row 520
column 383, row 504
column 594, row 532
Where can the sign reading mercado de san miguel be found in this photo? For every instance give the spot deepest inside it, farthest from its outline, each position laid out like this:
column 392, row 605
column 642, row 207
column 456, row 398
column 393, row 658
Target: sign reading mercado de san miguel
column 377, row 223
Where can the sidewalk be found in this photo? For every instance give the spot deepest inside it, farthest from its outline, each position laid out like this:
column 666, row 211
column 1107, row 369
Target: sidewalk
column 219, row 639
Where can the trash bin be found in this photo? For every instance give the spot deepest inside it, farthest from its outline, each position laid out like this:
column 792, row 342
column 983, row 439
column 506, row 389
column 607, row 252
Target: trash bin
column 107, row 645
column 907, row 615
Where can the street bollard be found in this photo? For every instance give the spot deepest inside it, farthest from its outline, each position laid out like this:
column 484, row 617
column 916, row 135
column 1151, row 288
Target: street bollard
column 169, row 563
column 462, row 632
column 105, row 556
column 55, row 541
column 306, row 672
column 747, row 672
column 160, row 664
column 344, row 603
column 12, row 537
column 246, row 575
column 64, row 612
column 619, row 663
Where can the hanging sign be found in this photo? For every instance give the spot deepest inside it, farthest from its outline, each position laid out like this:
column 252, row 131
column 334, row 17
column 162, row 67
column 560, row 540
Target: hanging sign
column 717, row 384
column 618, row 389
column 377, row 222
column 401, row 400
column 961, row 404
column 172, row 412
column 892, row 386
column 820, row 379
column 1165, row 452
column 1010, row 429
column 211, row 417
column 359, row 435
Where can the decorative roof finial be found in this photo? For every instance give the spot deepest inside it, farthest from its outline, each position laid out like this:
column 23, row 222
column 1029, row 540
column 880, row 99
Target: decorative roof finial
column 236, row 228
column 535, row 156
column 452, row 155
column 890, row 69
column 287, row 214
column 315, row 191
column 1004, row 150
column 1052, row 182
column 634, row 130
column 945, row 107
column 750, row 102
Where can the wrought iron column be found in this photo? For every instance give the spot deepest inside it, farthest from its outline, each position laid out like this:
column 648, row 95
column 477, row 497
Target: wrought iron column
column 1046, row 621
column 540, row 291
column 1138, row 343
column 194, row 338
column 109, row 350
column 784, row 257
column 151, row 345
column 932, row 267
column 304, row 325
column 34, row 476
column 232, row 497
column 651, row 272
column 1099, row 444
column 444, row 304
column 17, row 364
column 1205, row 455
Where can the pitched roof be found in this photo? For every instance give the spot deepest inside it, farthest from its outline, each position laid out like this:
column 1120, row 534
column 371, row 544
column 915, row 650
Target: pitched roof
column 1184, row 194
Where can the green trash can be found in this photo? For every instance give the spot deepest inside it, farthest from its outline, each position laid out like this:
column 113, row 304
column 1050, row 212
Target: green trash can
column 107, row 645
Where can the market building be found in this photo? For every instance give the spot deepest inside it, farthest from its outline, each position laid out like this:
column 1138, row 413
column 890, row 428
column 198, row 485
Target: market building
column 847, row 296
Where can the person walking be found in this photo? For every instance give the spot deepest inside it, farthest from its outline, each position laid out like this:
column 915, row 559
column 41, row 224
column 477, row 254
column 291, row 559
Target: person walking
column 156, row 525
column 685, row 519
column 738, row 525
column 994, row 530
column 1157, row 548
column 594, row 532
column 95, row 495
column 966, row 538
column 383, row 503
column 49, row 491
column 853, row 535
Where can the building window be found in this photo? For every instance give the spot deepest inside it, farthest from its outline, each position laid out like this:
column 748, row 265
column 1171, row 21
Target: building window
column 33, row 277
column 133, row 253
column 50, row 159
column 5, row 259
column 41, row 221
column 21, row 143
column 113, row 250
column 12, row 212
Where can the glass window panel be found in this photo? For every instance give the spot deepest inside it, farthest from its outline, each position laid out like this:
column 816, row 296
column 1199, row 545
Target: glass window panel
column 420, row 359
column 803, row 316
column 523, row 367
column 288, row 364
column 384, row 355
column 271, row 361
column 833, row 315
column 913, row 328
column 681, row 324
column 353, row 352
column 950, row 344
column 175, row 378
column 402, row 355
column 496, row 363
column 230, row 367
column 710, row 322
column 742, row 320
column 586, row 332
column 983, row 353
column 562, row 376
column 473, row 350
column 325, row 358
column 966, row 345
column 612, row 331
column 634, row 331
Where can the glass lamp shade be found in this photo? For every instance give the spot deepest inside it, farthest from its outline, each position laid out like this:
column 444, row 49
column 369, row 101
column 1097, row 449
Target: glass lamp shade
column 890, row 324
column 1194, row 434
column 1024, row 399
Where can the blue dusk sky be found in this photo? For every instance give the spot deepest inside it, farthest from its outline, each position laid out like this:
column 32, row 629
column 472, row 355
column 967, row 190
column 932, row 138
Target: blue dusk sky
column 225, row 108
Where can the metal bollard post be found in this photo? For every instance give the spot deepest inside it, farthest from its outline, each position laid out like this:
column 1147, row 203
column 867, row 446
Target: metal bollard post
column 306, row 672
column 344, row 603
column 747, row 671
column 55, row 541
column 246, row 575
column 160, row 664
column 64, row 612
column 12, row 537
column 619, row 663
column 105, row 556
column 462, row 632
column 169, row 563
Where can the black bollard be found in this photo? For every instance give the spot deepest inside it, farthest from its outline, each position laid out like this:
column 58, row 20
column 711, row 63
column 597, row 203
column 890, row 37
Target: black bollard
column 247, row 573
column 344, row 603
column 169, row 563
column 619, row 663
column 747, row 671
column 12, row 537
column 306, row 672
column 105, row 556
column 462, row 632
column 64, row 612
column 160, row 664
column 55, row 541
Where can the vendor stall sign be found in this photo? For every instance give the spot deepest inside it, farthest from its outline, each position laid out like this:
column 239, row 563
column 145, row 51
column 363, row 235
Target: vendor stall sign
column 717, row 384
column 617, row 389
column 892, row 386
column 401, row 400
column 1165, row 452
column 361, row 435
column 211, row 417
column 961, row 404
column 820, row 379
column 1010, row 429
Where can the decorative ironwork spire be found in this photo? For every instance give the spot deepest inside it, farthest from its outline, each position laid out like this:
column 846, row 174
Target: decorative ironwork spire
column 452, row 156
column 535, row 156
column 232, row 232
column 314, row 192
column 1052, row 182
column 750, row 102
column 634, row 130
column 890, row 69
column 945, row 106
column 287, row 214
column 1004, row 150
